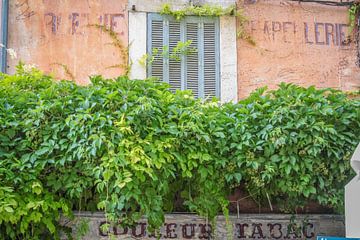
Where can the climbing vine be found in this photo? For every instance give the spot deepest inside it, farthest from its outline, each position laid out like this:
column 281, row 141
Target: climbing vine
column 118, row 44
column 242, row 33
column 66, row 70
column 181, row 49
column 201, row 11
column 354, row 13
column 213, row 11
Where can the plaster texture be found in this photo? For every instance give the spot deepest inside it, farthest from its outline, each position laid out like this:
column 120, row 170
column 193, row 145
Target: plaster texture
column 137, row 43
column 301, row 43
column 228, row 60
column 56, row 35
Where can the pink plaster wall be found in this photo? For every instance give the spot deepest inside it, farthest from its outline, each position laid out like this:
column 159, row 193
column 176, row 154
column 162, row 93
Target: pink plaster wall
column 290, row 49
column 53, row 34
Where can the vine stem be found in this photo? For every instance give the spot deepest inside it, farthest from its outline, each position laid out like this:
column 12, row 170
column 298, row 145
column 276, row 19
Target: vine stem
column 268, row 198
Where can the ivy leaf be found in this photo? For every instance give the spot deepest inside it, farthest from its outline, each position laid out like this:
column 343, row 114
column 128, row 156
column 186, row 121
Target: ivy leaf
column 238, row 177
column 9, row 209
column 42, row 151
column 36, row 188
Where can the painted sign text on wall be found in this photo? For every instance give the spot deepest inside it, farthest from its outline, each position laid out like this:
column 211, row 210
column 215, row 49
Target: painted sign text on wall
column 315, row 33
column 76, row 23
column 253, row 230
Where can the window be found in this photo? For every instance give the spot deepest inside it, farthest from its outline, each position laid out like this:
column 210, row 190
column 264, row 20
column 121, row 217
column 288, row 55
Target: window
column 196, row 70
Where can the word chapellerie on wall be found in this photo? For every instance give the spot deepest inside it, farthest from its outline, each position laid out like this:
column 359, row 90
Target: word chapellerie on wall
column 329, row 34
column 58, row 37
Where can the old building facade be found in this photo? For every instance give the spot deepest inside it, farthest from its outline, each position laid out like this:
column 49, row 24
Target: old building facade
column 293, row 41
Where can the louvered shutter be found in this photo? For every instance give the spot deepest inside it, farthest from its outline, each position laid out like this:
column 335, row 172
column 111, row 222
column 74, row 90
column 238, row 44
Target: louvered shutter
column 197, row 71
column 156, row 26
column 175, row 69
column 192, row 60
column 211, row 59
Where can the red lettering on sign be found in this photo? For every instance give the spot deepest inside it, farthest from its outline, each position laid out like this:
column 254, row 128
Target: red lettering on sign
column 185, row 232
column 241, row 228
column 257, row 231
column 142, row 230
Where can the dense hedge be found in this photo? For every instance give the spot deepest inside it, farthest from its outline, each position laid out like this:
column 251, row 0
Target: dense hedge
column 133, row 148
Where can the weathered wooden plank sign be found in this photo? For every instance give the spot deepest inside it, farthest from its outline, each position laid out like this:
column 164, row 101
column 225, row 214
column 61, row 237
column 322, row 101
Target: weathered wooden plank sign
column 246, row 226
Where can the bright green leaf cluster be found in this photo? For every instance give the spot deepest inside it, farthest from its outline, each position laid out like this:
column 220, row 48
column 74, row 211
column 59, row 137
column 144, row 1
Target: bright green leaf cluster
column 354, row 12
column 133, row 148
column 180, row 50
column 201, row 11
column 295, row 145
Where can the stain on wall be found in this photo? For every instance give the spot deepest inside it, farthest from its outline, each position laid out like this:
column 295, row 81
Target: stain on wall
column 296, row 42
column 61, row 36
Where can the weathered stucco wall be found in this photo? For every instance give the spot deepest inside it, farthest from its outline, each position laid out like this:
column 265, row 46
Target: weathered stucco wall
column 298, row 43
column 56, row 36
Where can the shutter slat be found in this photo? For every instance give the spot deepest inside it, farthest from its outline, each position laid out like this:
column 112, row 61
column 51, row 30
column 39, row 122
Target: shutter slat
column 192, row 60
column 210, row 83
column 174, row 65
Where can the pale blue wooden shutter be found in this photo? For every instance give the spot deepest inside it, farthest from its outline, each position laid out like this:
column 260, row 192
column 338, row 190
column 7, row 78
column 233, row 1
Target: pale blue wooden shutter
column 175, row 66
column 164, row 34
column 211, row 59
column 192, row 60
column 202, row 68
column 156, row 40
column 198, row 71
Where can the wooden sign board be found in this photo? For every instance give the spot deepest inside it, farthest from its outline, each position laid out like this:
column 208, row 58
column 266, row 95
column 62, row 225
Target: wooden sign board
column 246, row 226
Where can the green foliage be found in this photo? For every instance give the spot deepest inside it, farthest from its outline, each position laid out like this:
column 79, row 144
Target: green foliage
column 354, row 12
column 242, row 32
column 296, row 144
column 133, row 148
column 181, row 49
column 212, row 11
column 123, row 50
column 202, row 11
column 148, row 59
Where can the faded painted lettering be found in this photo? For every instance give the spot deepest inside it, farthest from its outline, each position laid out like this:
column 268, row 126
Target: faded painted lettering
column 23, row 10
column 78, row 23
column 190, row 230
column 315, row 33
